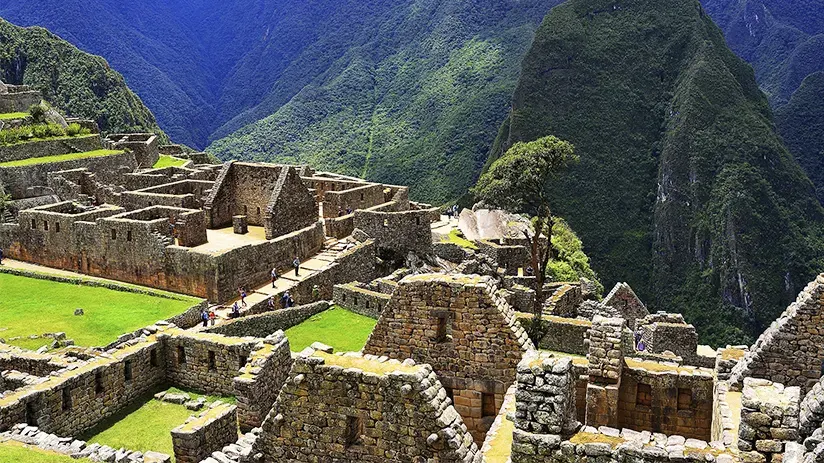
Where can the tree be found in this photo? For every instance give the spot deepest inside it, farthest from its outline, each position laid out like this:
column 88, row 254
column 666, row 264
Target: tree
column 517, row 182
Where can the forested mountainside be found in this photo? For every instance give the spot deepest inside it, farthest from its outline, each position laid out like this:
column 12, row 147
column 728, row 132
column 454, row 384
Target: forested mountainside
column 784, row 42
column 684, row 189
column 417, row 103
column 77, row 83
column 402, row 91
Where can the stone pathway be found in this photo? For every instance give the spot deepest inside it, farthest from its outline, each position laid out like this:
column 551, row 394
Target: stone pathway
column 443, row 227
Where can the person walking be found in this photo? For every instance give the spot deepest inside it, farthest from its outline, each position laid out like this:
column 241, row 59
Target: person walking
column 296, row 264
column 274, row 274
column 284, row 299
column 205, row 317
column 242, row 296
column 271, row 303
column 212, row 316
column 235, row 310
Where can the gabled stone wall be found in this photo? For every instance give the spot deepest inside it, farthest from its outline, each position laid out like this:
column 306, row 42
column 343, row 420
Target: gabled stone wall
column 469, row 335
column 399, row 413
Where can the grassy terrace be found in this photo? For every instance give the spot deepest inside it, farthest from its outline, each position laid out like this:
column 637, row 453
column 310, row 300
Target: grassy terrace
column 455, row 237
column 60, row 158
column 108, row 313
column 9, row 116
column 344, row 330
column 19, row 453
column 145, row 425
column 169, row 161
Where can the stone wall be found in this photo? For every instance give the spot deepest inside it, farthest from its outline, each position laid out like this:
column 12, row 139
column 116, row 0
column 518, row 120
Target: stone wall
column 469, row 335
column 629, row 306
column 397, row 233
column 109, row 169
column 19, row 101
column 400, row 413
column 205, row 362
column 360, row 300
column 669, row 400
column 508, row 257
column 812, row 410
column 259, row 382
column 143, row 145
column 50, row 147
column 360, row 197
column 564, row 300
column 769, row 419
column 606, row 361
column 562, row 334
column 72, row 401
column 291, row 206
column 791, row 350
column 724, row 419
column 264, row 324
column 544, row 407
column 188, row 194
column 205, row 433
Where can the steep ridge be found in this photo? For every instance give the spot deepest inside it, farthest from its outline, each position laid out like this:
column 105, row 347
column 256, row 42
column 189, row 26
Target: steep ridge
column 416, row 101
column 684, row 189
column 77, row 83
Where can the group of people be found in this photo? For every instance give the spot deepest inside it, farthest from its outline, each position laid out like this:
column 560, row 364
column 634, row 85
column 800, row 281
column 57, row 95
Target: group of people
column 208, row 316
column 341, row 211
column 275, row 275
column 452, row 211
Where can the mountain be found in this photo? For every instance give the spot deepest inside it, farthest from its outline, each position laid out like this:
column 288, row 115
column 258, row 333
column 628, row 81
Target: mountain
column 417, row 101
column 784, row 42
column 77, row 83
column 404, row 91
column 684, row 189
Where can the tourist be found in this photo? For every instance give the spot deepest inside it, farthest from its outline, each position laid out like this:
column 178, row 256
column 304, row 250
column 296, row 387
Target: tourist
column 289, row 301
column 1, row 257
column 340, row 211
column 205, row 317
column 271, row 303
column 284, row 299
column 315, row 293
column 638, row 335
column 296, row 264
column 235, row 310
column 242, row 296
column 348, row 210
column 274, row 276
column 530, row 271
column 212, row 316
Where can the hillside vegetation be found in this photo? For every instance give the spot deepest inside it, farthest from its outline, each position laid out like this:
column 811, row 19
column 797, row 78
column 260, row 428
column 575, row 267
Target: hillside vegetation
column 683, row 190
column 76, row 83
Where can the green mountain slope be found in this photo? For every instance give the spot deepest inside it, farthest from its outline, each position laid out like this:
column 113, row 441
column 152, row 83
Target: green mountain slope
column 417, row 101
column 801, row 124
column 77, row 83
column 683, row 190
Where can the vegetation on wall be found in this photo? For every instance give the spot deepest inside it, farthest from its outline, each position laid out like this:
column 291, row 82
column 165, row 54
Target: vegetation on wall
column 76, row 83
column 683, row 190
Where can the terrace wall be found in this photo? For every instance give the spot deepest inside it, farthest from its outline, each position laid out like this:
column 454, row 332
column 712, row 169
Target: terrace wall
column 208, row 363
column 360, row 300
column 259, row 383
column 361, row 197
column 261, row 325
column 397, row 232
column 53, row 147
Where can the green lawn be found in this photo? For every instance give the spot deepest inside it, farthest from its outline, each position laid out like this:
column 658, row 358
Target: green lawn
column 18, row 453
column 7, row 116
column 34, row 306
column 59, row 158
column 146, row 424
column 344, row 330
column 455, row 237
column 169, row 161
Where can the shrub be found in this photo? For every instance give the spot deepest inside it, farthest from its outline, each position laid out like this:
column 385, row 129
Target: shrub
column 40, row 131
column 54, row 130
column 74, row 129
column 38, row 112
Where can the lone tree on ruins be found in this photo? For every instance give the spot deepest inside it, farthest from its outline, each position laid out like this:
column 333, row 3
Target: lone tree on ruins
column 517, row 182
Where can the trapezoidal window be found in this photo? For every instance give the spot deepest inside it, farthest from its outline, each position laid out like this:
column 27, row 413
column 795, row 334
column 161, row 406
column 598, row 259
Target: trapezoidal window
column 488, row 405
column 114, row 234
column 258, row 211
column 46, row 225
column 33, row 224
column 181, row 355
column 31, row 414
column 361, row 196
column 153, row 358
column 241, row 360
column 245, row 210
column 643, row 396
column 67, row 399
column 98, row 383
column 684, row 399
column 128, row 235
column 354, row 431
column 57, row 227
column 127, row 370
column 441, row 327
column 212, row 361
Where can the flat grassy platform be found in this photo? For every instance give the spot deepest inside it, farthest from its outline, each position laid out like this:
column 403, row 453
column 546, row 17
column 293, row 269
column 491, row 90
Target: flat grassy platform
column 145, row 425
column 169, row 161
column 19, row 453
column 34, row 306
column 9, row 116
column 59, row 158
column 344, row 330
column 455, row 237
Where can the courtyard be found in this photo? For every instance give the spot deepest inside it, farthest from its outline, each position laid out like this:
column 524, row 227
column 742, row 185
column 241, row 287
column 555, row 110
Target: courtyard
column 108, row 313
column 337, row 327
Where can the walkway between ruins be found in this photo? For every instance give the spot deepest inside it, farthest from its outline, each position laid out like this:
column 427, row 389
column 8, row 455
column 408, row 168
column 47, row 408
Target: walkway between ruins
column 287, row 279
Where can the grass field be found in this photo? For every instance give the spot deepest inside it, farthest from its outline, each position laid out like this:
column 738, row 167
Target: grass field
column 145, row 425
column 18, row 453
column 455, row 237
column 59, row 158
column 7, row 116
column 34, row 306
column 344, row 330
column 169, row 161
